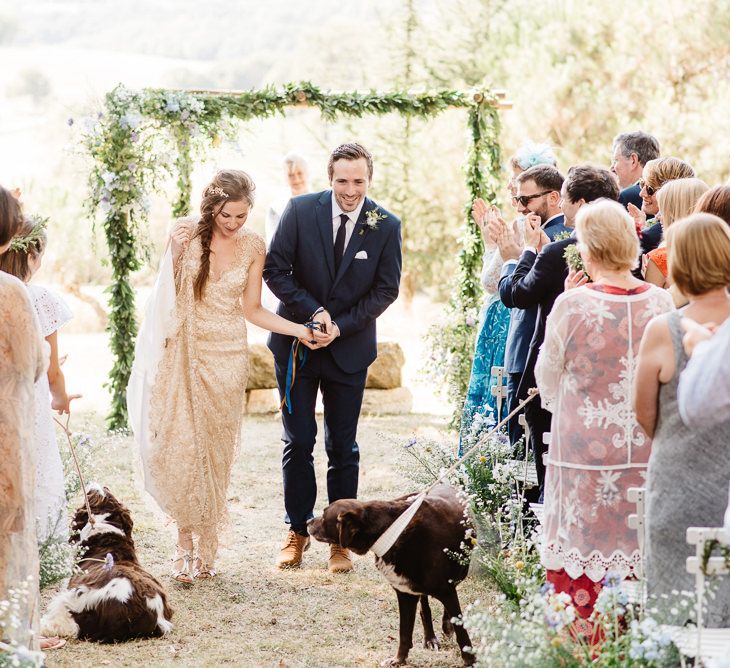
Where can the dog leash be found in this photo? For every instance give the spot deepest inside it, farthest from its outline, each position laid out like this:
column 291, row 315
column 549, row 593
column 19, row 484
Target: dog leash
column 298, row 352
column 76, row 464
column 393, row 532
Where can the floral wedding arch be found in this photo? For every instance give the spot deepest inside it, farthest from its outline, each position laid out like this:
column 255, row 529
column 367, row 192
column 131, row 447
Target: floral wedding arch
column 142, row 137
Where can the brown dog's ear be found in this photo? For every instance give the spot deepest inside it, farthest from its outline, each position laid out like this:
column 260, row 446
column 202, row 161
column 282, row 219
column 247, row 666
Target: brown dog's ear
column 349, row 523
column 126, row 520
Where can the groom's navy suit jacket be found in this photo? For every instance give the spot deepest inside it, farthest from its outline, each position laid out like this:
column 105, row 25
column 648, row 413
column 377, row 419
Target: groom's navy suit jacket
column 300, row 271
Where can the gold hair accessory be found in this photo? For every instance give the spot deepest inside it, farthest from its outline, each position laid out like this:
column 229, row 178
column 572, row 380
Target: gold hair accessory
column 216, row 190
column 22, row 244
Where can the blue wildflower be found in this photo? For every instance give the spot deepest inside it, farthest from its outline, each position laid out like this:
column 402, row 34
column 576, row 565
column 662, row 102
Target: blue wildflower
column 108, row 561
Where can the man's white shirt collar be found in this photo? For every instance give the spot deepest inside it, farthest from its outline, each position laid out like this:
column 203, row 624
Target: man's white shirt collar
column 352, row 215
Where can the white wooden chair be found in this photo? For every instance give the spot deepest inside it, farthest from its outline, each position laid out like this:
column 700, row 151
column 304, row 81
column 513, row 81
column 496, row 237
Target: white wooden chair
column 499, row 390
column 636, row 589
column 698, row 642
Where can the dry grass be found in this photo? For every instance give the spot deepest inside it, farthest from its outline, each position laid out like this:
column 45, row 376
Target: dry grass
column 252, row 614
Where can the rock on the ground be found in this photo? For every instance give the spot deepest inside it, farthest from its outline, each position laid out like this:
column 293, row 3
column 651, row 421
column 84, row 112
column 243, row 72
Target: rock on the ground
column 385, row 372
column 387, row 402
column 261, row 374
column 262, row 401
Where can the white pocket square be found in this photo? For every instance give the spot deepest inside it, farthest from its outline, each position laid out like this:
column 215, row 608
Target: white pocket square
column 361, row 255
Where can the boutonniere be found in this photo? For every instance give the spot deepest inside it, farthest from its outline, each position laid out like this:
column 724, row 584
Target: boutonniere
column 372, row 220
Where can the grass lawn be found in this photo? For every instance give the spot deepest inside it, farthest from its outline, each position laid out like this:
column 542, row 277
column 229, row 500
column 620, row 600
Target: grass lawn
column 252, row 614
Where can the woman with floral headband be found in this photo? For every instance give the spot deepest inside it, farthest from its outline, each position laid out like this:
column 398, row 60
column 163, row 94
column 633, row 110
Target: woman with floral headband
column 185, row 396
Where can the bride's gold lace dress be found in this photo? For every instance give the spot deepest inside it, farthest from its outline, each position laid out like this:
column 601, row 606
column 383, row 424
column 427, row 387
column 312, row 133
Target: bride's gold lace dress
column 198, row 396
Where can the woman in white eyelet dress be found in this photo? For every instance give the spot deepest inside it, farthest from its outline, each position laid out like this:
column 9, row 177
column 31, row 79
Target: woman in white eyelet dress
column 51, row 510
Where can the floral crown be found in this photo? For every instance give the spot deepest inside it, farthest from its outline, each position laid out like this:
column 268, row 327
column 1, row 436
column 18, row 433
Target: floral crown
column 25, row 243
column 215, row 191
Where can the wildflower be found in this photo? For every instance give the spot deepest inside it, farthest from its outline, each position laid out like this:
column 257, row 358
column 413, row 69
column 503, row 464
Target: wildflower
column 411, row 442
column 556, row 642
column 108, row 561
column 519, row 565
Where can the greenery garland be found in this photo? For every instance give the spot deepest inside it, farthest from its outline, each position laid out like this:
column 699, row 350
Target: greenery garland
column 142, row 137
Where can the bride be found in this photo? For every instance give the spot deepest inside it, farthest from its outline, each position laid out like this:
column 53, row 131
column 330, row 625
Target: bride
column 188, row 382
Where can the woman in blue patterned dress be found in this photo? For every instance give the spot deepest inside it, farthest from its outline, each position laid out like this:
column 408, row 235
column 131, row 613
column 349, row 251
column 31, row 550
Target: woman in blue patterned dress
column 494, row 318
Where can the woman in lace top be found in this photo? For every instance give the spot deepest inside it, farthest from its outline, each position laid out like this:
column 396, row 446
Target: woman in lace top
column 188, row 383
column 584, row 373
column 495, row 317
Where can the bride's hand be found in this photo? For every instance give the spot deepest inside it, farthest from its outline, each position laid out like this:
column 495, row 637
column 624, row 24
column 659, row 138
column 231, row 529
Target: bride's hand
column 180, row 236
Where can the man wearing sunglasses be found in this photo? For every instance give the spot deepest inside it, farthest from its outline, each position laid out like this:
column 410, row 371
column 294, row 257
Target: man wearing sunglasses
column 539, row 278
column 538, row 199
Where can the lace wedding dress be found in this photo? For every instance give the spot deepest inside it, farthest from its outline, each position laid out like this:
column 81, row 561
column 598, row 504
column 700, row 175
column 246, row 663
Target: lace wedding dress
column 23, row 359
column 50, row 502
column 188, row 386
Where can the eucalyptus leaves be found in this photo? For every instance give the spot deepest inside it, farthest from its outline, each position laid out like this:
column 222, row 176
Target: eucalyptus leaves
column 143, row 136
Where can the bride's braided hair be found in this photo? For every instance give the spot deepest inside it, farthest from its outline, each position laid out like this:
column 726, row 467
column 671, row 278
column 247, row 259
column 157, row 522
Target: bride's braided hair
column 228, row 185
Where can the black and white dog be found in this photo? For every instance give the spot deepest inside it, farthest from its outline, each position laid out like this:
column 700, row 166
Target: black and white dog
column 113, row 598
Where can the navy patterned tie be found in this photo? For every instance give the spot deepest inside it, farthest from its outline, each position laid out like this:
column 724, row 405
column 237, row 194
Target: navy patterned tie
column 340, row 241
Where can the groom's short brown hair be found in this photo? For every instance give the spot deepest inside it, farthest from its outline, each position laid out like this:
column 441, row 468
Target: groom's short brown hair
column 352, row 151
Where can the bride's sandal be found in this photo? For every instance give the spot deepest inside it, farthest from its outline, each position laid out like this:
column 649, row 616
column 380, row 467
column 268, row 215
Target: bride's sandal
column 182, row 566
column 202, row 571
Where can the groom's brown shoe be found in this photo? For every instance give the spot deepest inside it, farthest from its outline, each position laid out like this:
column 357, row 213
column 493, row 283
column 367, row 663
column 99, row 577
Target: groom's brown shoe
column 340, row 560
column 290, row 555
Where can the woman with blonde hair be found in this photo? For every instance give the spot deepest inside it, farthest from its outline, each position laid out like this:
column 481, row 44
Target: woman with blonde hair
column 689, row 469
column 584, row 373
column 676, row 199
column 188, row 382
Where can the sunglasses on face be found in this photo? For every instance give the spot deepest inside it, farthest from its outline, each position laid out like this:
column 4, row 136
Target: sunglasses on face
column 649, row 190
column 526, row 199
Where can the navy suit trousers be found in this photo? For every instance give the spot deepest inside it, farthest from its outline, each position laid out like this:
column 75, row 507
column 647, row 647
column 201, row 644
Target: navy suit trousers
column 514, row 428
column 342, row 399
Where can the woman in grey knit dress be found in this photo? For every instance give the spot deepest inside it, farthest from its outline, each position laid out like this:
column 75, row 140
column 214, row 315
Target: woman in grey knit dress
column 689, row 469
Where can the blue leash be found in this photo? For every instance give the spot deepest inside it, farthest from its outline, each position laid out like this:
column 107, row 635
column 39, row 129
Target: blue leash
column 297, row 353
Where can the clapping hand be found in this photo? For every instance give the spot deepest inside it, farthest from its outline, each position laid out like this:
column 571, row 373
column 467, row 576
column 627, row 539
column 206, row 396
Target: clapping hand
column 534, row 234
column 575, row 279
column 480, row 214
column 506, row 239
column 638, row 215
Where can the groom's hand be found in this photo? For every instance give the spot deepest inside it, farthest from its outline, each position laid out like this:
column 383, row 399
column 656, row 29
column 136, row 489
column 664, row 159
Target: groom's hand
column 325, row 338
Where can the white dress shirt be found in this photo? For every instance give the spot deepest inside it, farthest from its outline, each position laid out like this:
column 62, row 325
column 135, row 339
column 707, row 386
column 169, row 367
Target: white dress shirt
column 350, row 225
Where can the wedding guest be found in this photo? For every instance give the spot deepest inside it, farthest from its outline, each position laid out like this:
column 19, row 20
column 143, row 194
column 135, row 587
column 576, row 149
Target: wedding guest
column 296, row 173
column 655, row 174
column 676, row 199
column 716, row 201
column 688, row 472
column 538, row 201
column 631, row 151
column 23, row 260
column 23, row 360
column 191, row 367
column 495, row 320
column 539, row 278
column 584, row 372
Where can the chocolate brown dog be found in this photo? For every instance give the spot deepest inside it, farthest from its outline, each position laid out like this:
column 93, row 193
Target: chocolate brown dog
column 417, row 565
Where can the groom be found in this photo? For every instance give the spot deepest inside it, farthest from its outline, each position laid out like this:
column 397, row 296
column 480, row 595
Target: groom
column 335, row 259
